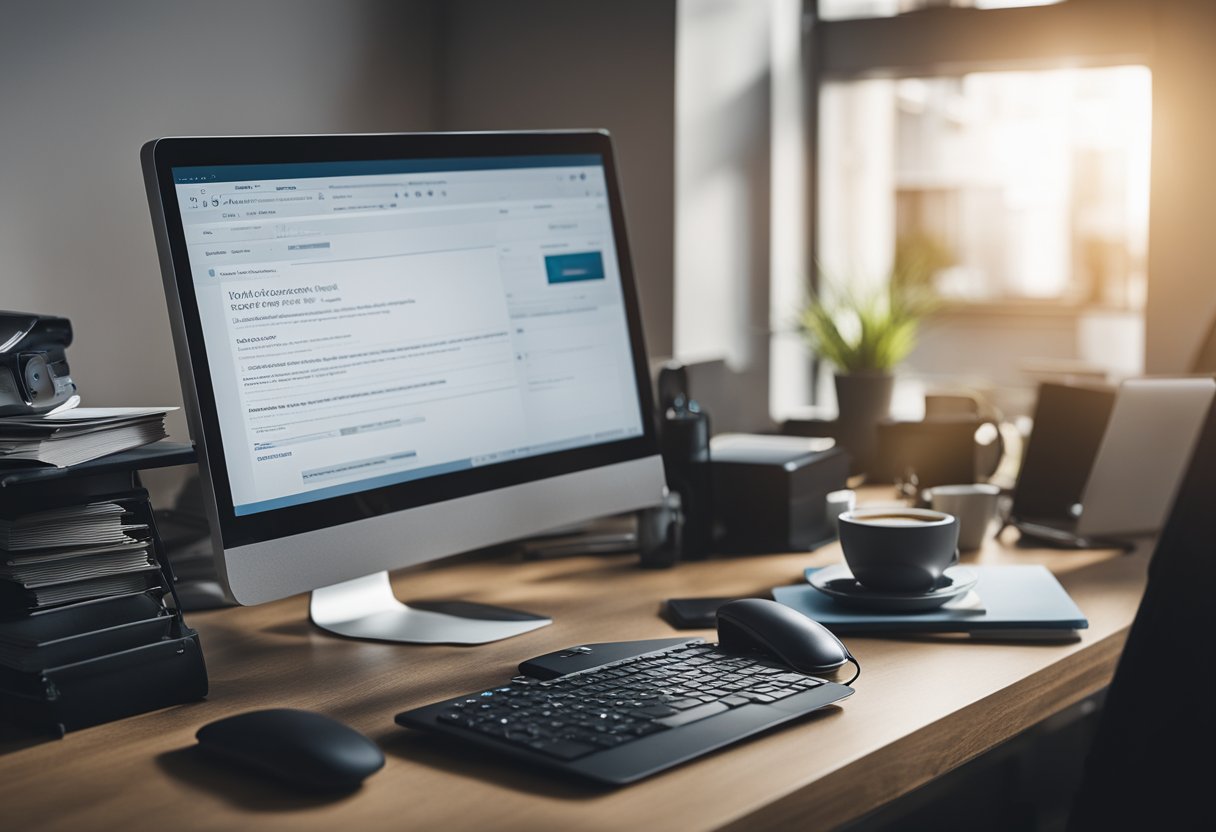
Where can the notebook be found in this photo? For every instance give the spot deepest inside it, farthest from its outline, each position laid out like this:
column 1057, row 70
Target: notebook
column 1022, row 600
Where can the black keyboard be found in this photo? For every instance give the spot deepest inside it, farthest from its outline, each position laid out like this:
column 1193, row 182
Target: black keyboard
column 626, row 719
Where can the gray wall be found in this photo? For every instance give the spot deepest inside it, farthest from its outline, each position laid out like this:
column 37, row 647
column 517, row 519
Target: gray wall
column 579, row 63
column 82, row 85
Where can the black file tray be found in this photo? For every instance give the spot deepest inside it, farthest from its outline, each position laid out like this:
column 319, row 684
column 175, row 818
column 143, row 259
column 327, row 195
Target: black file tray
column 61, row 699
column 122, row 682
column 31, row 658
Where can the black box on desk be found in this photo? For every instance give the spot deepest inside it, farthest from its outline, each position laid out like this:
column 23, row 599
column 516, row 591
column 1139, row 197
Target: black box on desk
column 770, row 491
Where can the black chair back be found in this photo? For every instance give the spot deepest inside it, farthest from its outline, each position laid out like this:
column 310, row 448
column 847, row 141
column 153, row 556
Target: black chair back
column 1153, row 760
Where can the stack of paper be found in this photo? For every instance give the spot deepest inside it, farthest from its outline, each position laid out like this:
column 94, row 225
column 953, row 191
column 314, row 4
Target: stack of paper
column 68, row 554
column 69, row 437
column 89, row 524
column 31, row 573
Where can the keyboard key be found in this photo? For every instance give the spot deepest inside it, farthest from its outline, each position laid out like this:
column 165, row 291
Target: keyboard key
column 646, row 728
column 684, row 704
column 563, row 749
column 694, row 714
column 610, row 740
column 654, row 711
column 782, row 693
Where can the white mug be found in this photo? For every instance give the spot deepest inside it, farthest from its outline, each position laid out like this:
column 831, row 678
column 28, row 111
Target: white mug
column 837, row 503
column 974, row 505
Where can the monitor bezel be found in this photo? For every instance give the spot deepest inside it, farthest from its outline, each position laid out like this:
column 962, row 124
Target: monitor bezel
column 236, row 530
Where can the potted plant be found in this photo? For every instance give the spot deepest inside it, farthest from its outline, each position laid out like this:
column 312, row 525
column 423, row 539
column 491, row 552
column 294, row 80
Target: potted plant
column 865, row 335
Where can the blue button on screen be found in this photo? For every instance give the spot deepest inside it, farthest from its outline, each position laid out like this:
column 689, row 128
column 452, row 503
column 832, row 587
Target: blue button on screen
column 568, row 268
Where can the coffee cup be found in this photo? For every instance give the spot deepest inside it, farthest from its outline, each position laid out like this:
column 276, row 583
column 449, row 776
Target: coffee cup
column 974, row 505
column 898, row 549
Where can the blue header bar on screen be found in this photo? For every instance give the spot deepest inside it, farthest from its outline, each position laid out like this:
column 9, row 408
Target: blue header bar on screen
column 372, row 167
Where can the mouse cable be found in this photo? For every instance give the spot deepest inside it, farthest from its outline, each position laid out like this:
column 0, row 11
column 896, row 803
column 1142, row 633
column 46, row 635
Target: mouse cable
column 857, row 665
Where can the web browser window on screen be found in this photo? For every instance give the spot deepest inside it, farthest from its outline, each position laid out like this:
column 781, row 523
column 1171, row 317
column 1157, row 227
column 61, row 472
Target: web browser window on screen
column 369, row 323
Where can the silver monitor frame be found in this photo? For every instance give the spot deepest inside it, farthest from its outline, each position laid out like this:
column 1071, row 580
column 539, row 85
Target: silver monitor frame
column 345, row 564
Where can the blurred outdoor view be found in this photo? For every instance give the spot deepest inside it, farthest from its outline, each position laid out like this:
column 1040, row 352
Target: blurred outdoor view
column 1014, row 185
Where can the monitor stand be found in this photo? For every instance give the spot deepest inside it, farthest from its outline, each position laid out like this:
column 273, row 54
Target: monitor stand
column 366, row 608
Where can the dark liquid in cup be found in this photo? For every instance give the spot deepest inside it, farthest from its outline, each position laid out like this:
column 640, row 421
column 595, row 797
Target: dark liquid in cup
column 897, row 520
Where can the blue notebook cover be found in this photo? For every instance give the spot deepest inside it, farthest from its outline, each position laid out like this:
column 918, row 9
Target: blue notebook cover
column 1026, row 598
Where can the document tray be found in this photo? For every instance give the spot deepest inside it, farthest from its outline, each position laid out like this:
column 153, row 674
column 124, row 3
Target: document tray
column 61, row 699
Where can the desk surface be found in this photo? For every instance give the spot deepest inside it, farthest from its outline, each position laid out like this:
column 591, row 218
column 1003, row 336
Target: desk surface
column 923, row 706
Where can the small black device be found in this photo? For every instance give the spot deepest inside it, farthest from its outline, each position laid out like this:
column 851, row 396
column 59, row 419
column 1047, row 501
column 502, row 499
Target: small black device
column 34, row 374
column 693, row 613
column 770, row 492
column 303, row 749
column 684, row 443
column 673, row 386
column 615, row 713
column 660, row 535
column 589, row 656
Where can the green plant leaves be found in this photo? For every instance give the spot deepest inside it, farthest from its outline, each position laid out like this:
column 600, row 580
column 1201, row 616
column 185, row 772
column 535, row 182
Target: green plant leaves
column 871, row 332
column 874, row 330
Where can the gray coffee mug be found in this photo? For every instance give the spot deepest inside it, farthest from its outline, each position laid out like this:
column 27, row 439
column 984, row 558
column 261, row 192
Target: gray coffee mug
column 899, row 549
column 974, row 505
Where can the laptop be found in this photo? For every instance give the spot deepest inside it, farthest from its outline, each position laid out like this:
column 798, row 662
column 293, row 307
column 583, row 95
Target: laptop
column 1102, row 464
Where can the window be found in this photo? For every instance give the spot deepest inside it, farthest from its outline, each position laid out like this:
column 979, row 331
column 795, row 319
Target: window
column 1004, row 144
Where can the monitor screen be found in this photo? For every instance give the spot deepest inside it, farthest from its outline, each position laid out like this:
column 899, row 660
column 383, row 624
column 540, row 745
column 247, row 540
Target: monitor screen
column 397, row 347
column 374, row 322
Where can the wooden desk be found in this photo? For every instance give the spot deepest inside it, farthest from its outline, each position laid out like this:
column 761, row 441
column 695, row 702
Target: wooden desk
column 922, row 707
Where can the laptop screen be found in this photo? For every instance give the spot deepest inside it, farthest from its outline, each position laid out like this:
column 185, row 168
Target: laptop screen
column 1069, row 423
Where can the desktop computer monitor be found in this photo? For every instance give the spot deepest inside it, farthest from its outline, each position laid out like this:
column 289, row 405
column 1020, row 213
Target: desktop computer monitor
column 395, row 348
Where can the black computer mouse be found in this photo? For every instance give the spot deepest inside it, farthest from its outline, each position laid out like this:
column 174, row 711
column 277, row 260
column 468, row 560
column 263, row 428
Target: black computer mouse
column 301, row 748
column 785, row 634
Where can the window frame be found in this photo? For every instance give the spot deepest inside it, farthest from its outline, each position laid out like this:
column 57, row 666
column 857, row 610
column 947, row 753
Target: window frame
column 948, row 40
